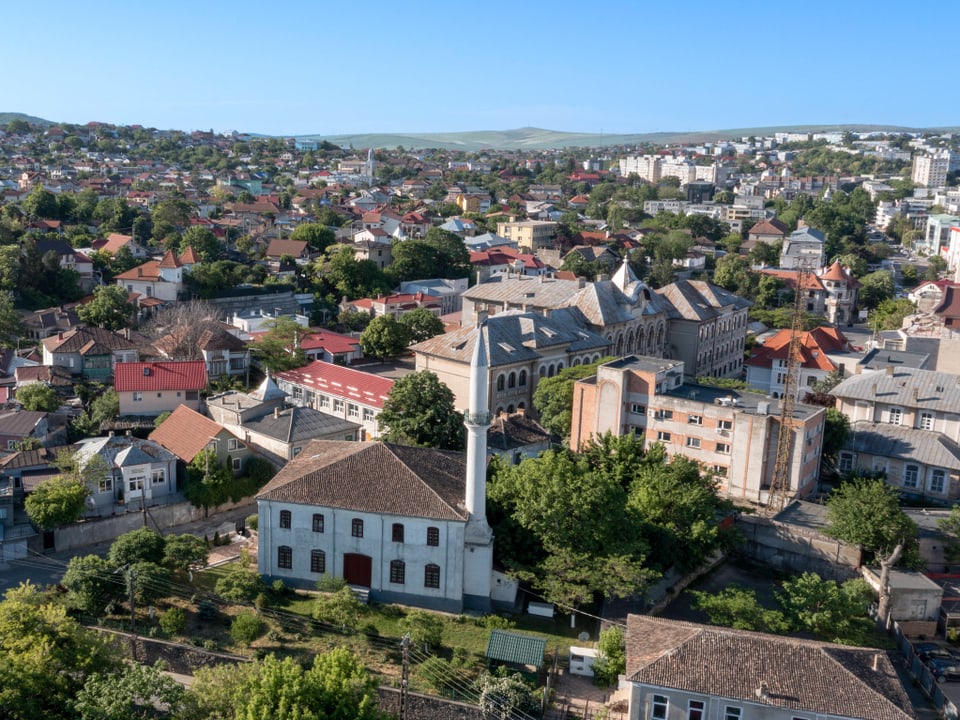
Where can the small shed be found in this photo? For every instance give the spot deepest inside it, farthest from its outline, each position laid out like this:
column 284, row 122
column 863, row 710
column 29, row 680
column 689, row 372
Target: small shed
column 915, row 600
column 582, row 660
column 516, row 648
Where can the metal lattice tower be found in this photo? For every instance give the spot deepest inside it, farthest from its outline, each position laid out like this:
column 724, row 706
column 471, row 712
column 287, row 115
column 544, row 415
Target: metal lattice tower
column 780, row 481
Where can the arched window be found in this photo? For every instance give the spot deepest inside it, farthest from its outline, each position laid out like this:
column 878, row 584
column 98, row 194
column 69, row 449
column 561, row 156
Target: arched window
column 398, row 571
column 398, row 532
column 510, row 409
column 551, row 371
column 543, row 371
column 559, row 366
column 318, row 561
column 576, row 361
column 433, row 536
column 521, row 407
column 286, row 519
column 523, row 378
column 431, row 576
column 284, row 557
column 499, row 383
column 512, row 380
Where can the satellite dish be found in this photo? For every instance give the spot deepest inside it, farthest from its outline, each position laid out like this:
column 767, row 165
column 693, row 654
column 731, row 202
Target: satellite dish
column 583, row 637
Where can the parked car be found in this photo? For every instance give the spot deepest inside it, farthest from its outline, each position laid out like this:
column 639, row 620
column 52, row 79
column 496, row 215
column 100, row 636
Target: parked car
column 944, row 669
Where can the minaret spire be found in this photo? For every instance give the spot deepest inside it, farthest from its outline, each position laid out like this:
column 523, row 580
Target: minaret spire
column 477, row 421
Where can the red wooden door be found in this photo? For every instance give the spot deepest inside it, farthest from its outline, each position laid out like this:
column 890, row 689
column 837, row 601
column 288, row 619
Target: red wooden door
column 357, row 569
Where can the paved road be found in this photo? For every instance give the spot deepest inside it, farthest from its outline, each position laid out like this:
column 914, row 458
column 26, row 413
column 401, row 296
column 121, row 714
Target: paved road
column 47, row 568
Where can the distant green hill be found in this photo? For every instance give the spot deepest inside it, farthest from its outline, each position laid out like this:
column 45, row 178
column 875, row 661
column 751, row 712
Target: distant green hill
column 8, row 116
column 540, row 139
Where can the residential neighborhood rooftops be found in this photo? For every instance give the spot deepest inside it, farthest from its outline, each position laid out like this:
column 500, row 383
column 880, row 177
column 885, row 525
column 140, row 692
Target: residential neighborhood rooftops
column 898, row 441
column 297, row 424
column 186, row 432
column 905, row 386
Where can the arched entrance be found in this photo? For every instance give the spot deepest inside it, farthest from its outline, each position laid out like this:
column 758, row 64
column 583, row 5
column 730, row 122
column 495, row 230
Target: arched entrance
column 357, row 569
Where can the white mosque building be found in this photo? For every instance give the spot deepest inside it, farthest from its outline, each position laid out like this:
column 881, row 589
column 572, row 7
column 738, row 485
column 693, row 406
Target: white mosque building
column 404, row 524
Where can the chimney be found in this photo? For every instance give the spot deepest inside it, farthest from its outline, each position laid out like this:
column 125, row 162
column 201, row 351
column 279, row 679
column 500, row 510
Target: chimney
column 873, row 389
column 876, row 662
column 110, row 434
column 890, row 370
column 128, row 433
column 916, row 393
column 276, row 413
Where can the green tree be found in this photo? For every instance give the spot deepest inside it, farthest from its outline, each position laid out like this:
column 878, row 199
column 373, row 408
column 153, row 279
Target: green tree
column 738, row 607
column 553, row 397
column 207, row 245
column 317, row 236
column 208, row 482
column 181, row 552
column 343, row 274
column 173, row 620
column 384, row 337
column 109, row 309
column 92, row 583
column 875, row 288
column 425, row 629
column 104, row 408
column 11, row 323
column 239, row 585
column 141, row 545
column 246, row 627
column 828, row 610
column 336, row 687
column 835, row 433
column 419, row 410
column 611, row 656
column 421, row 324
column 57, row 501
column 279, row 348
column 768, row 291
column 37, row 396
column 733, row 273
column 133, row 693
column 41, row 203
column 866, row 512
column 46, row 656
column 504, row 698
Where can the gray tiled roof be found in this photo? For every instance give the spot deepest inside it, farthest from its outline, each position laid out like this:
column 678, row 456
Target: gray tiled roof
column 515, row 336
column 799, row 675
column 300, row 423
column 541, row 292
column 907, row 387
column 897, row 441
column 699, row 300
column 373, row 477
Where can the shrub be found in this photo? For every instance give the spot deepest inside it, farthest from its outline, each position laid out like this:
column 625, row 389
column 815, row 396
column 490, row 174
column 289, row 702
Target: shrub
column 239, row 585
column 246, row 628
column 253, row 521
column 261, row 601
column 211, row 645
column 173, row 621
column 206, row 611
column 259, row 471
column 329, row 583
column 279, row 588
column 495, row 622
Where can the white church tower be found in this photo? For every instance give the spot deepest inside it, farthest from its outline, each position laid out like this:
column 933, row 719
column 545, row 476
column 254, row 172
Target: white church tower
column 478, row 537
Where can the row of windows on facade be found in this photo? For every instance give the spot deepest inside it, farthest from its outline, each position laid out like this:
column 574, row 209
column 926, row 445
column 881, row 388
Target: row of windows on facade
column 356, row 528
column 692, row 419
column 189, row 394
column 332, row 404
column 398, row 568
column 911, row 474
column 135, row 483
column 924, row 422
column 696, row 710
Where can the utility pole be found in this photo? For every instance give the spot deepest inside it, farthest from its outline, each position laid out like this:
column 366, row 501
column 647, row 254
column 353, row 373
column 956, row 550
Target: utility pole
column 133, row 616
column 404, row 674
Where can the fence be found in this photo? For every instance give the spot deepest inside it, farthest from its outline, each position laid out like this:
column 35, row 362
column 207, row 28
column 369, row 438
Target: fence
column 925, row 679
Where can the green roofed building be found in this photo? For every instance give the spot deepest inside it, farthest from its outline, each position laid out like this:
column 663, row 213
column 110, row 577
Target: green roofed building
column 515, row 648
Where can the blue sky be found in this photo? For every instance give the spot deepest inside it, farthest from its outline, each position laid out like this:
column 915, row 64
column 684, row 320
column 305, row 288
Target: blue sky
column 332, row 67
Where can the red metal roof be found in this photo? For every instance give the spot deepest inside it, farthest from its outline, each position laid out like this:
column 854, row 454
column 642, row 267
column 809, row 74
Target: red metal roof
column 370, row 390
column 333, row 343
column 183, row 375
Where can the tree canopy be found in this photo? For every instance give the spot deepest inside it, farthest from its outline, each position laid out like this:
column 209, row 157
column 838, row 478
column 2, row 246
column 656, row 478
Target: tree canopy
column 57, row 501
column 384, row 337
column 553, row 397
column 419, row 410
column 278, row 349
column 109, row 309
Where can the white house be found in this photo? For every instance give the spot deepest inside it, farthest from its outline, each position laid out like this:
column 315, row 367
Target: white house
column 138, row 470
column 407, row 524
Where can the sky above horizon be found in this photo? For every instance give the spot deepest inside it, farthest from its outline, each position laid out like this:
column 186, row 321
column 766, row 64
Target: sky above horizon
column 604, row 67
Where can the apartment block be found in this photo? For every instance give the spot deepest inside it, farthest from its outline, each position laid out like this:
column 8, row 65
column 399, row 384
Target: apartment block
column 732, row 433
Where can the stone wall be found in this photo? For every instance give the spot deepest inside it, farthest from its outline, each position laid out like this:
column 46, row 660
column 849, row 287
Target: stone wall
column 793, row 549
column 99, row 530
column 427, row 707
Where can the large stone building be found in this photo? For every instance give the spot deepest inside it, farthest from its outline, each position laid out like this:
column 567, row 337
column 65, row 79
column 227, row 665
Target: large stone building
column 733, row 433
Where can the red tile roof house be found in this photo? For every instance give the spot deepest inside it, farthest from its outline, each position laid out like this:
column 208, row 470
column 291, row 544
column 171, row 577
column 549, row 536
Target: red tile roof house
column 297, row 249
column 331, row 347
column 342, row 392
column 152, row 388
column 766, row 368
column 186, row 432
column 395, row 305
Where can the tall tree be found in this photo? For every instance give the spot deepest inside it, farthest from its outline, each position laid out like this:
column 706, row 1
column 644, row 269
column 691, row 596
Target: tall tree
column 866, row 512
column 318, row 237
column 279, row 348
column 37, row 396
column 553, row 397
column 204, row 243
column 109, row 309
column 421, row 324
column 134, row 693
column 46, row 657
column 384, row 337
column 56, row 502
column 419, row 410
